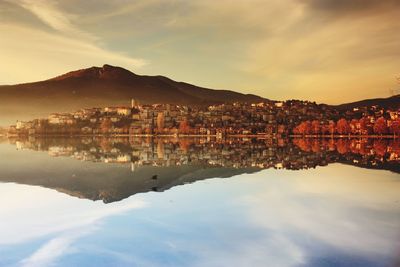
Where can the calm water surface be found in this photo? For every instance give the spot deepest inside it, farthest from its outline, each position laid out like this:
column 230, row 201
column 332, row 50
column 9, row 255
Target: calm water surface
column 60, row 209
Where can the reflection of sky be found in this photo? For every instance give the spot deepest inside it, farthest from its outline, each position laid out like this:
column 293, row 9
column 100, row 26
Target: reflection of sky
column 331, row 216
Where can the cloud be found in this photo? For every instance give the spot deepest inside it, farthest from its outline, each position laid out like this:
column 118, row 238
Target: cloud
column 327, row 55
column 274, row 217
column 62, row 221
column 48, row 13
column 326, row 50
column 352, row 6
column 63, row 47
column 49, row 252
column 54, row 53
column 339, row 209
column 60, row 217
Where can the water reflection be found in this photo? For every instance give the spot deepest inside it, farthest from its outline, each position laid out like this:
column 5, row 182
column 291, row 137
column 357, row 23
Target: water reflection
column 333, row 216
column 266, row 214
column 141, row 165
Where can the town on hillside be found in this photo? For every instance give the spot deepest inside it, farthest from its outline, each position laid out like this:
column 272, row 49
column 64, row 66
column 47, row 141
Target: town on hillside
column 269, row 118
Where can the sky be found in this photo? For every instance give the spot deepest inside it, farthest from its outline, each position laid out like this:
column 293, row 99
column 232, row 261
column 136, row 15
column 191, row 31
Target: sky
column 330, row 51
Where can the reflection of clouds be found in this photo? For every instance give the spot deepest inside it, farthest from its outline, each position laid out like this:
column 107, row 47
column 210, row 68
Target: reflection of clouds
column 49, row 212
column 338, row 215
column 50, row 251
column 34, row 213
column 350, row 211
column 271, row 218
column 272, row 251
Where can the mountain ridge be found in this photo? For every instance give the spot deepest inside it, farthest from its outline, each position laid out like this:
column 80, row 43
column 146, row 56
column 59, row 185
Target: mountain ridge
column 388, row 102
column 103, row 86
column 112, row 85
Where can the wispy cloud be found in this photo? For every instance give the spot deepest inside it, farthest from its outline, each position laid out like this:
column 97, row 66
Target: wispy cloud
column 48, row 12
column 63, row 216
column 62, row 47
column 279, row 49
column 69, row 220
column 55, row 53
column 49, row 252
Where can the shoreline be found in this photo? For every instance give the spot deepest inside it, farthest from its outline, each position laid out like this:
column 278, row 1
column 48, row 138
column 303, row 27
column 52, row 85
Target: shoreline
column 258, row 136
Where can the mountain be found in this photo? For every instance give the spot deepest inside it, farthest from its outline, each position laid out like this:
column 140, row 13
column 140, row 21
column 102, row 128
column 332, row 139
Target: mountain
column 112, row 86
column 103, row 86
column 390, row 102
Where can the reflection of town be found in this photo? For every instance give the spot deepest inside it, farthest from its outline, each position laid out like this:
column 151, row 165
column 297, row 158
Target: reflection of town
column 110, row 170
column 226, row 153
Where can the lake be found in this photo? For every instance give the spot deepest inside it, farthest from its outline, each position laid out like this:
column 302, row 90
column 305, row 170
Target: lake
column 199, row 202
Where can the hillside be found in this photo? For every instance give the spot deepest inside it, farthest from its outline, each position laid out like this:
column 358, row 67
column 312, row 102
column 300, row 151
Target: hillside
column 102, row 86
column 390, row 102
column 112, row 86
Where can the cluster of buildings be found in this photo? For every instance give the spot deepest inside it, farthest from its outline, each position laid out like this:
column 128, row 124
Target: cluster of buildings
column 270, row 118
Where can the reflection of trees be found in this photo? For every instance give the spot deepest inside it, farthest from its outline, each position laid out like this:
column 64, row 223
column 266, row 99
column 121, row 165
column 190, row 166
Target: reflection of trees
column 238, row 153
column 343, row 146
column 380, row 126
column 105, row 145
column 371, row 150
column 380, row 147
column 184, row 145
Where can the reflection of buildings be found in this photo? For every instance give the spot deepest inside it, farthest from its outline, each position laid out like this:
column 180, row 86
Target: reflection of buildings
column 232, row 153
column 124, row 167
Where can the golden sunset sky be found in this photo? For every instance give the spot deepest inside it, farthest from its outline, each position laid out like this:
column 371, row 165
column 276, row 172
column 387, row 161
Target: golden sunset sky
column 330, row 51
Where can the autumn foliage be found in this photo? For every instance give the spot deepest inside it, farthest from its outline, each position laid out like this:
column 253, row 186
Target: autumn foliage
column 184, row 127
column 379, row 148
column 363, row 126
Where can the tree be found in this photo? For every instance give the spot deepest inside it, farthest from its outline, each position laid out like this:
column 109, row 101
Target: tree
column 342, row 146
column 106, row 125
column 342, row 126
column 160, row 122
column 315, row 127
column 296, row 130
column 332, row 127
column 315, row 145
column 184, row 127
column 304, row 127
column 303, row 144
column 364, row 126
column 380, row 147
column 380, row 126
column 395, row 127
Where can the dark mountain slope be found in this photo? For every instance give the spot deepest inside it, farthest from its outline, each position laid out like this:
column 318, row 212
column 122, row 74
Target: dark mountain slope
column 103, row 86
column 390, row 102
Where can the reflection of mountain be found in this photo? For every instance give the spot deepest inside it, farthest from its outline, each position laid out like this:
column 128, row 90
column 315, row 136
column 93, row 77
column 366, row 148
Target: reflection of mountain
column 92, row 178
column 113, row 169
column 113, row 183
